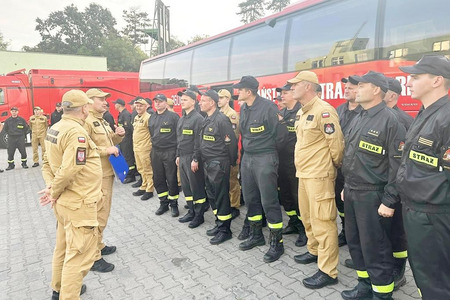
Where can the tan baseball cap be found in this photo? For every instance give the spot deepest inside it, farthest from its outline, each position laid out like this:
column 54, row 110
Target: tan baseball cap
column 37, row 108
column 75, row 98
column 224, row 93
column 141, row 101
column 97, row 93
column 305, row 76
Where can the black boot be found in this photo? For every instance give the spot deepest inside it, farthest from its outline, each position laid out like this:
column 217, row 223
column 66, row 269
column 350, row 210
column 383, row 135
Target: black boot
column 163, row 207
column 102, row 266
column 302, row 240
column 174, row 208
column 146, row 196
column 137, row 183
column 256, row 237
column 363, row 290
column 212, row 231
column 291, row 227
column 55, row 294
column 139, row 193
column 130, row 178
column 199, row 209
column 35, row 165
column 276, row 246
column 10, row 166
column 223, row 234
column 245, row 232
column 190, row 214
column 350, row 264
column 399, row 272
column 341, row 237
column 24, row 164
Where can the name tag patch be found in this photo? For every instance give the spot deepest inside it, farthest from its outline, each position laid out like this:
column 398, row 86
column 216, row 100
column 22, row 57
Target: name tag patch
column 370, row 147
column 422, row 158
column 257, row 129
column 209, row 138
column 165, row 130
column 188, row 131
column 291, row 128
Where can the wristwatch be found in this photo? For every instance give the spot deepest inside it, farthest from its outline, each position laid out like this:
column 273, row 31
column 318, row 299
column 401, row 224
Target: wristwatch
column 195, row 160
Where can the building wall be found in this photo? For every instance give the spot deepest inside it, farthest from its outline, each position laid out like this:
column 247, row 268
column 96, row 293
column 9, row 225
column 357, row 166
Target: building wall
column 12, row 61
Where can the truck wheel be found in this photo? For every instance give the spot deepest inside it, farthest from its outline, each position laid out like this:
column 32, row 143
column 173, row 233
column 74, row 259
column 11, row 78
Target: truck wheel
column 3, row 140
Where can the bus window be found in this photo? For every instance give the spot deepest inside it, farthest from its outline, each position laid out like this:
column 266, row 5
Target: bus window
column 258, row 51
column 151, row 75
column 337, row 33
column 210, row 62
column 178, row 69
column 407, row 38
column 2, row 97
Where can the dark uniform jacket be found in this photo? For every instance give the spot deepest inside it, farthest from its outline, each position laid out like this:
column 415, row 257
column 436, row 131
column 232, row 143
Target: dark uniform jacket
column 218, row 139
column 124, row 120
column 373, row 148
column 346, row 116
column 55, row 117
column 110, row 119
column 258, row 125
column 163, row 130
column 133, row 115
column 289, row 120
column 15, row 126
column 424, row 175
column 188, row 135
column 405, row 119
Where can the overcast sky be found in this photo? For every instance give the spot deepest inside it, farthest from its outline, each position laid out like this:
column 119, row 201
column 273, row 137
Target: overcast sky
column 188, row 17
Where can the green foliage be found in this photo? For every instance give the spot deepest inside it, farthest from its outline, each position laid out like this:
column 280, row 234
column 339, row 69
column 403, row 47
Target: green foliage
column 122, row 55
column 197, row 38
column 136, row 21
column 277, row 5
column 3, row 44
column 251, row 10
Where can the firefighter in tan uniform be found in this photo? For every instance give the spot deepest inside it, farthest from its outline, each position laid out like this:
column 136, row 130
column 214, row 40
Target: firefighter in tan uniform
column 105, row 139
column 38, row 126
column 318, row 151
column 235, row 187
column 142, row 146
column 72, row 173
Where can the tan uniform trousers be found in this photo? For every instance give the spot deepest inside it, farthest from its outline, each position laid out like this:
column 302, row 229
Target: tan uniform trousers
column 235, row 187
column 104, row 209
column 144, row 166
column 35, row 142
column 75, row 249
column 318, row 210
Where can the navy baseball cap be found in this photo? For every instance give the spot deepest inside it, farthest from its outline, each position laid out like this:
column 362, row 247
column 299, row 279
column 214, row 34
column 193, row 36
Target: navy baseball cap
column 349, row 79
column 212, row 94
column 375, row 78
column 430, row 64
column 119, row 101
column 188, row 93
column 286, row 87
column 160, row 97
column 394, row 85
column 247, row 82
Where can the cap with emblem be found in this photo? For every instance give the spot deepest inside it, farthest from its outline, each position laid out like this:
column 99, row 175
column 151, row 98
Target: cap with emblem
column 37, row 108
column 75, row 98
column 430, row 64
column 286, row 87
column 352, row 81
column 188, row 93
column 14, row 108
column 58, row 104
column 224, row 93
column 305, row 76
column 97, row 93
column 394, row 85
column 374, row 78
column 140, row 101
column 160, row 97
column 119, row 101
column 247, row 82
column 212, row 94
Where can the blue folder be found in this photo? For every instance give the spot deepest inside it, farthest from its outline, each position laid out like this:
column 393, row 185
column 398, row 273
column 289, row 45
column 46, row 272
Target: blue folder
column 119, row 165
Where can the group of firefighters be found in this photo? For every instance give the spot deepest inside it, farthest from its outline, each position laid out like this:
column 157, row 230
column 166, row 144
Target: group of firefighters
column 392, row 171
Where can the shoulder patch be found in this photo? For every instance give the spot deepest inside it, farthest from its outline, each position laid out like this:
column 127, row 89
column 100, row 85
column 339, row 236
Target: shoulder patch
column 401, row 146
column 96, row 124
column 446, row 155
column 309, row 117
column 227, row 139
column 81, row 156
column 81, row 139
column 329, row 128
column 325, row 115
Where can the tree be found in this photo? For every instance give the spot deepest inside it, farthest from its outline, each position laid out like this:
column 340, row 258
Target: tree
column 277, row 5
column 136, row 21
column 197, row 38
column 3, row 44
column 121, row 54
column 251, row 10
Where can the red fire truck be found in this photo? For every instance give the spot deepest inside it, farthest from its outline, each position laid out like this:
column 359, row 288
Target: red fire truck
column 44, row 88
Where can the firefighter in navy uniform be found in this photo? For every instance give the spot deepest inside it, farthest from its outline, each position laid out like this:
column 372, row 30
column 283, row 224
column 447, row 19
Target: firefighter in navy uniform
column 126, row 146
column 287, row 181
column 346, row 112
column 219, row 151
column 423, row 178
column 163, row 132
column 398, row 234
column 189, row 160
column 16, row 128
column 372, row 154
column 56, row 114
column 259, row 167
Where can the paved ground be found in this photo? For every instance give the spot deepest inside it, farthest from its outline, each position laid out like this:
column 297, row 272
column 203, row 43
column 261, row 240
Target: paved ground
column 157, row 257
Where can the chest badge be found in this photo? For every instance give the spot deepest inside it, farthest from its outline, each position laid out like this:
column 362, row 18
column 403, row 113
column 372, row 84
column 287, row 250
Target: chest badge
column 373, row 132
